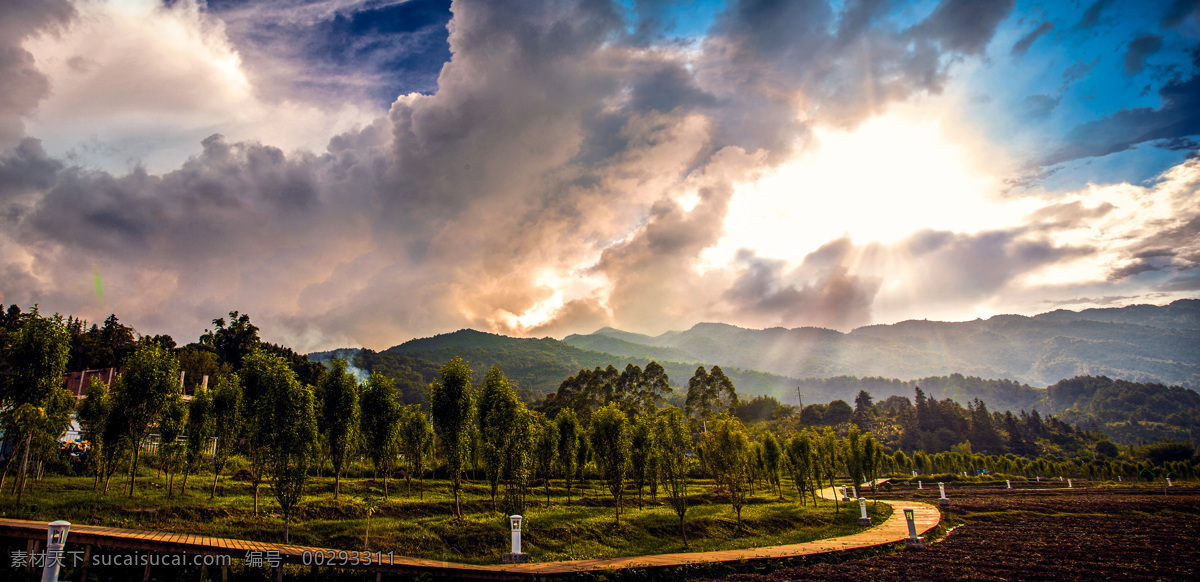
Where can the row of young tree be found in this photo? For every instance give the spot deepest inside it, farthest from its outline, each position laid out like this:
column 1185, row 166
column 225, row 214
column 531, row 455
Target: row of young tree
column 612, row 423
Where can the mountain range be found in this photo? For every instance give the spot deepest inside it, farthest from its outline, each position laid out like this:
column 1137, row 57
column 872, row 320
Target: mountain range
column 1140, row 343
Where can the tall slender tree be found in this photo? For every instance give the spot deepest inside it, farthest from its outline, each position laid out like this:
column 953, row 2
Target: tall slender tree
column 568, row 445
column 200, row 429
column 416, row 443
column 340, row 411
column 546, row 452
column 171, row 426
column 771, row 461
column 498, row 412
column 452, row 401
column 709, row 392
column 148, row 384
column 264, row 375
column 727, row 448
column 800, row 459
column 93, row 414
column 228, row 421
column 673, row 438
column 293, row 443
column 610, row 444
column 641, row 443
column 380, row 424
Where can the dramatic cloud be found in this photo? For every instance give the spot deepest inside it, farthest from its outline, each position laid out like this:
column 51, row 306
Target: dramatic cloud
column 544, row 169
column 24, row 84
column 1178, row 117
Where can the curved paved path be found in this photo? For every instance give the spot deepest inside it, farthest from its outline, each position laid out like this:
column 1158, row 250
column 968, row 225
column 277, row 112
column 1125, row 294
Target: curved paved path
column 892, row 530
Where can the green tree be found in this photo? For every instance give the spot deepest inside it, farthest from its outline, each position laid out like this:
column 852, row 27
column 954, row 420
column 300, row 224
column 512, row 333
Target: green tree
column 709, row 391
column 829, row 458
column 292, row 443
column 452, row 401
column 340, row 412
column 568, row 445
column 116, row 444
column 171, row 426
column 148, row 384
column 771, row 457
column 864, row 411
column 498, row 412
column 872, row 459
column 264, row 375
column 93, row 413
column 853, row 456
column 673, row 438
column 546, row 452
column 800, row 459
column 200, row 429
column 36, row 355
column 610, row 444
column 518, row 459
column 727, row 449
column 234, row 341
column 641, row 451
column 416, row 443
column 228, row 420
column 380, row 424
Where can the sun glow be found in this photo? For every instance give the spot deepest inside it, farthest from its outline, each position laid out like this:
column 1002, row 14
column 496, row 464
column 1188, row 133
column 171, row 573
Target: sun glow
column 892, row 176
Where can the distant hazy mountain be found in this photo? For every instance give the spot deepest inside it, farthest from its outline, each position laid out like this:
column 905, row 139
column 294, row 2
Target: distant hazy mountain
column 1141, row 343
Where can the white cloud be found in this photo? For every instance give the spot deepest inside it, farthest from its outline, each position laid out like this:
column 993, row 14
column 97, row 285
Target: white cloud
column 134, row 81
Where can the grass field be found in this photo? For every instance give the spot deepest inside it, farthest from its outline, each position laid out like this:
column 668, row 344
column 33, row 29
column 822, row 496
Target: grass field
column 583, row 528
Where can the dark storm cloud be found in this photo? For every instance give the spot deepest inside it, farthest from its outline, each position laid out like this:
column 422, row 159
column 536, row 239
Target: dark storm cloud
column 1139, row 50
column 25, row 170
column 23, row 84
column 1178, row 117
column 1022, row 46
column 1178, row 11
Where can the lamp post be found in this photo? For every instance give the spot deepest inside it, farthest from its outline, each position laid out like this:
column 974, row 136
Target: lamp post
column 515, row 556
column 56, row 540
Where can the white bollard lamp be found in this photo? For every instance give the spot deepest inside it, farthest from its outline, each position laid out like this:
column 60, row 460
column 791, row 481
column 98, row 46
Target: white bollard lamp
column 862, row 505
column 56, row 540
column 942, row 489
column 914, row 542
column 515, row 556
column 515, row 521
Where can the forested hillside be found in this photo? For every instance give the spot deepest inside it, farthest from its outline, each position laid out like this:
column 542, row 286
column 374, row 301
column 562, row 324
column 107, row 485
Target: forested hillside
column 535, row 367
column 1141, row 343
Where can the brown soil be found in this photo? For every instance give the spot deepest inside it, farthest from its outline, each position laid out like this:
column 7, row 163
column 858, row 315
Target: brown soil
column 1040, row 533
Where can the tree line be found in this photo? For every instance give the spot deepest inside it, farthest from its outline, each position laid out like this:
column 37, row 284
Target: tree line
column 286, row 417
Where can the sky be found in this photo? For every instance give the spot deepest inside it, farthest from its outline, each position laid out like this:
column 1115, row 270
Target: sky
column 363, row 172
